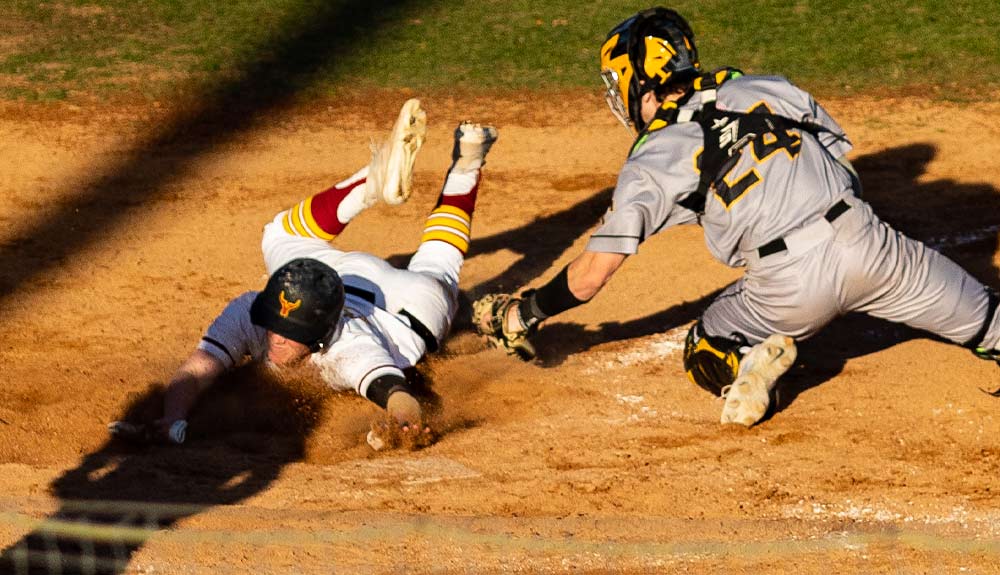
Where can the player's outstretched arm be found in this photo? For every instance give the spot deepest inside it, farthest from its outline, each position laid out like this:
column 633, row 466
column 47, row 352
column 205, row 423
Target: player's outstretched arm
column 507, row 321
column 193, row 377
column 587, row 274
column 198, row 372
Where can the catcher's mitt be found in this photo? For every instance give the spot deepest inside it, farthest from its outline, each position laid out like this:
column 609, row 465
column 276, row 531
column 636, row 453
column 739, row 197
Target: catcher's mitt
column 488, row 315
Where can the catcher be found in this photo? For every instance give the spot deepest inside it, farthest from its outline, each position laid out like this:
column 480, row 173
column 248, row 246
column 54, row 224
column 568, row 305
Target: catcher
column 762, row 168
column 359, row 320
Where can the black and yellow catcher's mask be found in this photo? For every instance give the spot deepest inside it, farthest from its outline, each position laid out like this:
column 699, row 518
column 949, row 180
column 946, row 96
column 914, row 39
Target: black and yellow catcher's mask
column 651, row 49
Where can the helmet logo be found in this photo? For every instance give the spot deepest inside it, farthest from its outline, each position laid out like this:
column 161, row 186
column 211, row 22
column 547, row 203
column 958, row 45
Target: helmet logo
column 659, row 52
column 287, row 307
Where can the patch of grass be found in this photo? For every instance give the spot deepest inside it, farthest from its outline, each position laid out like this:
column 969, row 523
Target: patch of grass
column 32, row 95
column 93, row 47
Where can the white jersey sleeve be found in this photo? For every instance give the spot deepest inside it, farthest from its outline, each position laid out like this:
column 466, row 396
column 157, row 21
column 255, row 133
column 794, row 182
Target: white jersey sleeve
column 232, row 336
column 359, row 356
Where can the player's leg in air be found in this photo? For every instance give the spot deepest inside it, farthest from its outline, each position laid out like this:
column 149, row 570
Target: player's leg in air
column 322, row 217
column 447, row 231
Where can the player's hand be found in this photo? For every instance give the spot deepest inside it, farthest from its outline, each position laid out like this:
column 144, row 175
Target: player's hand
column 387, row 434
column 158, row 432
column 403, row 426
column 495, row 317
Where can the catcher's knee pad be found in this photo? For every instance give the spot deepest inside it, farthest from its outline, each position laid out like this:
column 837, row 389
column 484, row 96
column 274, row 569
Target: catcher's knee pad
column 711, row 362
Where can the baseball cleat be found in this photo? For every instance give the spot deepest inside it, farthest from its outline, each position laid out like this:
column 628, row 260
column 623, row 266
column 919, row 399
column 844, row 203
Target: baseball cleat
column 472, row 143
column 390, row 174
column 749, row 396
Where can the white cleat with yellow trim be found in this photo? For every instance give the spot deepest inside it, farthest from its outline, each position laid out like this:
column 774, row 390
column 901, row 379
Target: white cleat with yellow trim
column 749, row 396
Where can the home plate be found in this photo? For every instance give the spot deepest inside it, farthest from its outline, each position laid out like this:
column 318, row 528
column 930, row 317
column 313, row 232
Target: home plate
column 408, row 471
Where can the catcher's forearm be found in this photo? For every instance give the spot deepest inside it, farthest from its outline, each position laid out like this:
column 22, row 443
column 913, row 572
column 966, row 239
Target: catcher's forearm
column 575, row 285
column 590, row 271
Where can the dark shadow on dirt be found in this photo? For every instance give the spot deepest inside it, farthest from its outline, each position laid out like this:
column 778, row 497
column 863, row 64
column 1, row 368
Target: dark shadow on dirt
column 556, row 342
column 540, row 243
column 245, row 430
column 120, row 486
column 286, row 61
column 959, row 220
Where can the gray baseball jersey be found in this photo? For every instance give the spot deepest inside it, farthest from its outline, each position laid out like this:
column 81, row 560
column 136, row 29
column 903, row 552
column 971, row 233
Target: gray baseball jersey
column 783, row 186
column 792, row 186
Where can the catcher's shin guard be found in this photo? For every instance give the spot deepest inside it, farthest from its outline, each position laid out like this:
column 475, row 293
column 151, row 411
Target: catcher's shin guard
column 711, row 362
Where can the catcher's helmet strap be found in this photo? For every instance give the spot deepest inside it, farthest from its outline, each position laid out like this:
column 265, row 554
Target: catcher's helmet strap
column 671, row 113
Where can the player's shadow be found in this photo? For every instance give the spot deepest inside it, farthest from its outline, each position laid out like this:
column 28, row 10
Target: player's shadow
column 539, row 244
column 960, row 220
column 244, row 432
column 290, row 57
column 956, row 218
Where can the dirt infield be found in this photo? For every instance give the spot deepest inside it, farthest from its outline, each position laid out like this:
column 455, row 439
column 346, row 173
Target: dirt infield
column 119, row 245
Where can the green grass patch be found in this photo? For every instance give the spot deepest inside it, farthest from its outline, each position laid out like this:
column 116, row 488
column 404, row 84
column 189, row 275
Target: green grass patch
column 99, row 48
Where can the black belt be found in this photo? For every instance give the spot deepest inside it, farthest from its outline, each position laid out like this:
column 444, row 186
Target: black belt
column 425, row 334
column 416, row 325
column 778, row 245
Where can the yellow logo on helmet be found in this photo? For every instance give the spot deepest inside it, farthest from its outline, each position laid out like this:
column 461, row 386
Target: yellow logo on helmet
column 658, row 55
column 287, row 307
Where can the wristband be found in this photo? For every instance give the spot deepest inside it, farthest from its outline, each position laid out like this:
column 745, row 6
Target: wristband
column 528, row 312
column 378, row 391
column 555, row 297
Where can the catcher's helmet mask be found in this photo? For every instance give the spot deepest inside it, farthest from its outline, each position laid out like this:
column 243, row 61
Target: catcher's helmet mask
column 302, row 301
column 652, row 50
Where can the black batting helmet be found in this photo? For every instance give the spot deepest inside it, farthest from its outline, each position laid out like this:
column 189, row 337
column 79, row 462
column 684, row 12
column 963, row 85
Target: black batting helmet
column 649, row 50
column 302, row 301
